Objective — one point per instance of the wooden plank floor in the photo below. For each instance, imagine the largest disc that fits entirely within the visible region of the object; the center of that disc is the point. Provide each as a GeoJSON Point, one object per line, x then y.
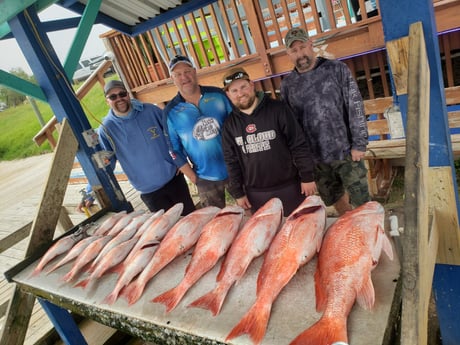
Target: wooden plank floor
{"type": "Point", "coordinates": [22, 183]}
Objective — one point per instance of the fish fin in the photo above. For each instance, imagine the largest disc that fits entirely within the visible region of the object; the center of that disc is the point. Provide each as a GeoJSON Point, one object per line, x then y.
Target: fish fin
{"type": "Point", "coordinates": [170, 298]}
{"type": "Point", "coordinates": [118, 268]}
{"type": "Point", "coordinates": [387, 247]}
{"type": "Point", "coordinates": [324, 332]}
{"type": "Point", "coordinates": [112, 297]}
{"type": "Point", "coordinates": [254, 323]}
{"type": "Point", "coordinates": [83, 283]}
{"type": "Point", "coordinates": [366, 295]}
{"type": "Point", "coordinates": [212, 301]}
{"type": "Point", "coordinates": [133, 291]}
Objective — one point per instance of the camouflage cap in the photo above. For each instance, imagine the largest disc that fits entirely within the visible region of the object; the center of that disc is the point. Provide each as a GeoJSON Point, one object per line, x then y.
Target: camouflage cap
{"type": "Point", "coordinates": [295, 34]}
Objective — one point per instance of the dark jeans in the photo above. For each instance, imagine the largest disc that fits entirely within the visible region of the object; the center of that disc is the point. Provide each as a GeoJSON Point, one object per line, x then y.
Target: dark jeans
{"type": "Point", "coordinates": [290, 195]}
{"type": "Point", "coordinates": [173, 192]}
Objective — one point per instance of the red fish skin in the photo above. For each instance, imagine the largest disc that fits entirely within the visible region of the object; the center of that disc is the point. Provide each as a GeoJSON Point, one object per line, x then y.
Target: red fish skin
{"type": "Point", "coordinates": [350, 251]}
{"type": "Point", "coordinates": [124, 235]}
{"type": "Point", "coordinates": [214, 241]}
{"type": "Point", "coordinates": [86, 257]}
{"type": "Point", "coordinates": [107, 224]}
{"type": "Point", "coordinates": [252, 241]}
{"type": "Point", "coordinates": [182, 236]}
{"type": "Point", "coordinates": [294, 245]}
{"type": "Point", "coordinates": [76, 250]}
{"type": "Point", "coordinates": [123, 222]}
{"type": "Point", "coordinates": [132, 269]}
{"type": "Point", "coordinates": [158, 228]}
{"type": "Point", "coordinates": [112, 258]}
{"type": "Point", "coordinates": [58, 248]}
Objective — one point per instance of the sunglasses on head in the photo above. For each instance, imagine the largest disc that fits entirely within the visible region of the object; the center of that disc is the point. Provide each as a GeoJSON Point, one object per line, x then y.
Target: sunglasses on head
{"type": "Point", "coordinates": [114, 96]}
{"type": "Point", "coordinates": [235, 76]}
{"type": "Point", "coordinates": [178, 58]}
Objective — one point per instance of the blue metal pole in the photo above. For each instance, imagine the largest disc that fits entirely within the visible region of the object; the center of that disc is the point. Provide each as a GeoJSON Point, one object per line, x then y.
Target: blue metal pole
{"type": "Point", "coordinates": [50, 75]}
{"type": "Point", "coordinates": [64, 323]}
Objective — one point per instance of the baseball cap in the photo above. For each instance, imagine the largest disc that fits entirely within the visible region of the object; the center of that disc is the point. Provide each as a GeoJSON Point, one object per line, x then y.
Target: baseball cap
{"type": "Point", "coordinates": [177, 60]}
{"type": "Point", "coordinates": [112, 85]}
{"type": "Point", "coordinates": [295, 34]}
{"type": "Point", "coordinates": [234, 74]}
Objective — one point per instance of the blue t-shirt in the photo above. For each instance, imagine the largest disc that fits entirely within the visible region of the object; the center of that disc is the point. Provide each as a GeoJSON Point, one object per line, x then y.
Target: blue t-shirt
{"type": "Point", "coordinates": [195, 132]}
{"type": "Point", "coordinates": [139, 143]}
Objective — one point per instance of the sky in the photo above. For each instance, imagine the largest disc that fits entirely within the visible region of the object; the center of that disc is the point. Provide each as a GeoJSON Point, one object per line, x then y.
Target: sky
{"type": "Point", "coordinates": [61, 42]}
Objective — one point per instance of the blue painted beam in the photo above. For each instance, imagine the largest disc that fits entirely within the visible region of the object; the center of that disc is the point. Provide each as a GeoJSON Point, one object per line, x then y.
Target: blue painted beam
{"type": "Point", "coordinates": [58, 90]}
{"type": "Point", "coordinates": [63, 323]}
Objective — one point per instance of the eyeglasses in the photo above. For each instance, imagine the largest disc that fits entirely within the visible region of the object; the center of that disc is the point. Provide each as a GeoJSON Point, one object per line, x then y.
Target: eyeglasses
{"type": "Point", "coordinates": [235, 76]}
{"type": "Point", "coordinates": [114, 96]}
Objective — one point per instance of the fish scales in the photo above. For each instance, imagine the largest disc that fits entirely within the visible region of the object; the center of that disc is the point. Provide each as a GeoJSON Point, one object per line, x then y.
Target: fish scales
{"type": "Point", "coordinates": [294, 245]}
{"type": "Point", "coordinates": [350, 251]}
{"type": "Point", "coordinates": [252, 241]}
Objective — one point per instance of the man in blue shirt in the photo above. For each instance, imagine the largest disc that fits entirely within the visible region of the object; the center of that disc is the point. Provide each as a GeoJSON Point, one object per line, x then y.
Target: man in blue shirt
{"type": "Point", "coordinates": [195, 117]}
{"type": "Point", "coordinates": [134, 132]}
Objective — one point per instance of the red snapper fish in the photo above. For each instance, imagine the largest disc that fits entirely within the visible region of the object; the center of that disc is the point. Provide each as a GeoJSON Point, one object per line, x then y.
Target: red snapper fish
{"type": "Point", "coordinates": [214, 241]}
{"type": "Point", "coordinates": [350, 251]}
{"type": "Point", "coordinates": [86, 256]}
{"type": "Point", "coordinates": [124, 235]}
{"type": "Point", "coordinates": [107, 224]}
{"type": "Point", "coordinates": [293, 246]}
{"type": "Point", "coordinates": [113, 257]}
{"type": "Point", "coordinates": [182, 236]}
{"type": "Point", "coordinates": [161, 224]}
{"type": "Point", "coordinates": [133, 267]}
{"type": "Point", "coordinates": [252, 241]}
{"type": "Point", "coordinates": [60, 247]}
{"type": "Point", "coordinates": [76, 250]}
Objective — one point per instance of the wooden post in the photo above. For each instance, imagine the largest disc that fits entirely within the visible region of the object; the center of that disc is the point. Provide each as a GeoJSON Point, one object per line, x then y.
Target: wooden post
{"type": "Point", "coordinates": [419, 245]}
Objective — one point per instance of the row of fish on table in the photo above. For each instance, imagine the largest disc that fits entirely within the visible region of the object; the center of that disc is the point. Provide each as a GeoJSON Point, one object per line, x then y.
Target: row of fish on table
{"type": "Point", "coordinates": [137, 245]}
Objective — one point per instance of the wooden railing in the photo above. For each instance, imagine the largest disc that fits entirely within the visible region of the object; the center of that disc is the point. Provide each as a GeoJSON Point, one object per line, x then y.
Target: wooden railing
{"type": "Point", "coordinates": [250, 33]}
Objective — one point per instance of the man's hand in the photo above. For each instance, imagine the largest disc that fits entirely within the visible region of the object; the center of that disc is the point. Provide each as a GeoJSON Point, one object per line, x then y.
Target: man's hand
{"type": "Point", "coordinates": [357, 155]}
{"type": "Point", "coordinates": [308, 188]}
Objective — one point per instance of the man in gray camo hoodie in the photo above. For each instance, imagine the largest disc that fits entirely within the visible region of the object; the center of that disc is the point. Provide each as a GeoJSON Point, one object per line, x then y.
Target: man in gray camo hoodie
{"type": "Point", "coordinates": [327, 102]}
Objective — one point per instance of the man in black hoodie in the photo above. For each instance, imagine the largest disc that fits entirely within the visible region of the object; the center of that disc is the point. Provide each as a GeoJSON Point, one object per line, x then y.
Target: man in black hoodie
{"type": "Point", "coordinates": [264, 148]}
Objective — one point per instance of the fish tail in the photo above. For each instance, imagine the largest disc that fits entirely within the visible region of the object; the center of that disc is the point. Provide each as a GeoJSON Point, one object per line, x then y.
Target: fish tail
{"type": "Point", "coordinates": [212, 301]}
{"type": "Point", "coordinates": [83, 283]}
{"type": "Point", "coordinates": [133, 291]}
{"type": "Point", "coordinates": [254, 323]}
{"type": "Point", "coordinates": [170, 298]}
{"type": "Point", "coordinates": [112, 297]}
{"type": "Point", "coordinates": [69, 276]}
{"type": "Point", "coordinates": [324, 332]}
{"type": "Point", "coordinates": [118, 268]}
{"type": "Point", "coordinates": [35, 272]}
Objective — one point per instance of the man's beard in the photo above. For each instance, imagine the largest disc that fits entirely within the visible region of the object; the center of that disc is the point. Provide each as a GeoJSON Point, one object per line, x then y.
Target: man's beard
{"type": "Point", "coordinates": [303, 66]}
{"type": "Point", "coordinates": [248, 104]}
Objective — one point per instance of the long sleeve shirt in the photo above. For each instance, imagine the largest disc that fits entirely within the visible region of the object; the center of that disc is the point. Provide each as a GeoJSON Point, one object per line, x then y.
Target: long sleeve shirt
{"type": "Point", "coordinates": [330, 108]}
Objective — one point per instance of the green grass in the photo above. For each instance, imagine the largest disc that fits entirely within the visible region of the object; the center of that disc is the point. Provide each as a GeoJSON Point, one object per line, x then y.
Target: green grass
{"type": "Point", "coordinates": [20, 124]}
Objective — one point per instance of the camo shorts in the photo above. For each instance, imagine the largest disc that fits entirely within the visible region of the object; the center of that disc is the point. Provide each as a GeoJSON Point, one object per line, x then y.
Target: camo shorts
{"type": "Point", "coordinates": [333, 179]}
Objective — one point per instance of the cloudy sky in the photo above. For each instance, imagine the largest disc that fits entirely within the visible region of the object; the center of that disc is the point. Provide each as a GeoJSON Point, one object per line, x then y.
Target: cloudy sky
{"type": "Point", "coordinates": [61, 42]}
